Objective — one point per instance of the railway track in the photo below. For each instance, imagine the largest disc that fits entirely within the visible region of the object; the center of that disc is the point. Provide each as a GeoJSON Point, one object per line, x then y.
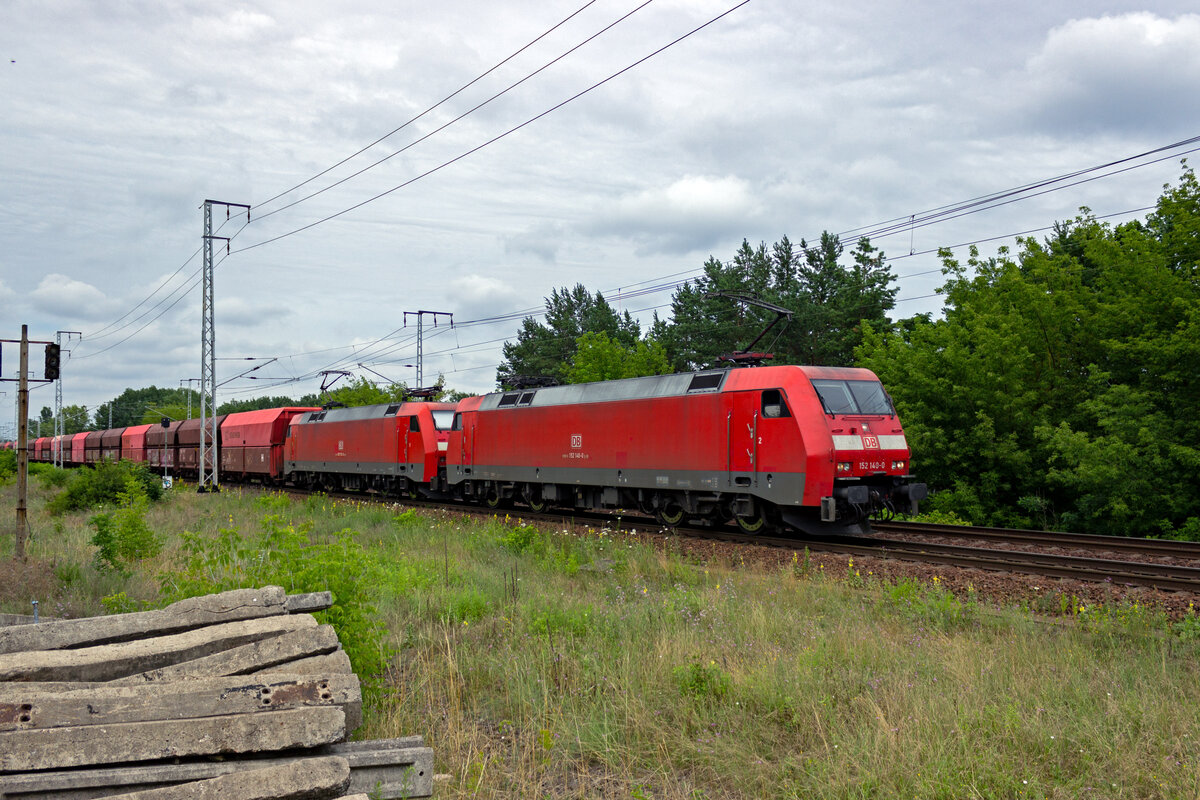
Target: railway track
{"type": "Point", "coordinates": [1075, 541]}
{"type": "Point", "coordinates": [1168, 577]}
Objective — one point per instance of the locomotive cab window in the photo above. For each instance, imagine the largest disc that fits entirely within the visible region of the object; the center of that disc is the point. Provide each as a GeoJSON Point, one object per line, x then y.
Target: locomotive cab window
{"type": "Point", "coordinates": [773, 404]}
{"type": "Point", "coordinates": [854, 397]}
{"type": "Point", "coordinates": [414, 424]}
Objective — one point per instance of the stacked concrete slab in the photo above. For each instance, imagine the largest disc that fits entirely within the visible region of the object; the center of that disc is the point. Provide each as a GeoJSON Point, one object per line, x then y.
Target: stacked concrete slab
{"type": "Point", "coordinates": [240, 694]}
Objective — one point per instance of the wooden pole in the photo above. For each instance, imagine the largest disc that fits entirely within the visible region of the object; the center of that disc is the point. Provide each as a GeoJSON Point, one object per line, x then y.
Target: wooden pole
{"type": "Point", "coordinates": [22, 445]}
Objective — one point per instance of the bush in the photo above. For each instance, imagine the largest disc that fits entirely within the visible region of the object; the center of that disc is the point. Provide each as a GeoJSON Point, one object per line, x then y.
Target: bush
{"type": "Point", "coordinates": [287, 556]}
{"type": "Point", "coordinates": [123, 536]}
{"type": "Point", "coordinates": [104, 485]}
{"type": "Point", "coordinates": [8, 464]}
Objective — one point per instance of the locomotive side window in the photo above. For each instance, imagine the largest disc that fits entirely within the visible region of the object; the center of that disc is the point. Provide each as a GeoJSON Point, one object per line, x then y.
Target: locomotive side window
{"type": "Point", "coordinates": [707, 382]}
{"type": "Point", "coordinates": [414, 424]}
{"type": "Point", "coordinates": [773, 404]}
{"type": "Point", "coordinates": [526, 399]}
{"type": "Point", "coordinates": [509, 399]}
{"type": "Point", "coordinates": [457, 423]}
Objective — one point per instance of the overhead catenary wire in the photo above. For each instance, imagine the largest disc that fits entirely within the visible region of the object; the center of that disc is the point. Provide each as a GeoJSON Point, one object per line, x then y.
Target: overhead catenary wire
{"type": "Point", "coordinates": [496, 138]}
{"type": "Point", "coordinates": [458, 118]}
{"type": "Point", "coordinates": [435, 106]}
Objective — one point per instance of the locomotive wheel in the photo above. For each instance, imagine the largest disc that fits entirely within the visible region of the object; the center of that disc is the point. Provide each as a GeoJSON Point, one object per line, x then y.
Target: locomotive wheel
{"type": "Point", "coordinates": [669, 514]}
{"type": "Point", "coordinates": [760, 521]}
{"type": "Point", "coordinates": [493, 499]}
{"type": "Point", "coordinates": [533, 496]}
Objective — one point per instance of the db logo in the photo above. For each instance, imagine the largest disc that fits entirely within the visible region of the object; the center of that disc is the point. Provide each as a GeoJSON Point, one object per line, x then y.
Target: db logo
{"type": "Point", "coordinates": [576, 440]}
{"type": "Point", "coordinates": [871, 442]}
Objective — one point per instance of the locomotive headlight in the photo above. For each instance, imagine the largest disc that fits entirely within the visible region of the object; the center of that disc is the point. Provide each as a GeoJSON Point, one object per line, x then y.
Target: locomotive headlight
{"type": "Point", "coordinates": [843, 467]}
{"type": "Point", "coordinates": [899, 466]}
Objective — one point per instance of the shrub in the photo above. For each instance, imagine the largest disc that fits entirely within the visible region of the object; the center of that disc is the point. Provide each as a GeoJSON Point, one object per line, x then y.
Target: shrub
{"type": "Point", "coordinates": [91, 488]}
{"type": "Point", "coordinates": [123, 536]}
{"type": "Point", "coordinates": [284, 555]}
{"type": "Point", "coordinates": [8, 464]}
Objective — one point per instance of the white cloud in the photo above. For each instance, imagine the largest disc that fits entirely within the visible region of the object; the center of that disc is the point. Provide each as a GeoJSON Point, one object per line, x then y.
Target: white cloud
{"type": "Point", "coordinates": [68, 298]}
{"type": "Point", "coordinates": [477, 296]}
{"type": "Point", "coordinates": [690, 214]}
{"type": "Point", "coordinates": [1136, 71]}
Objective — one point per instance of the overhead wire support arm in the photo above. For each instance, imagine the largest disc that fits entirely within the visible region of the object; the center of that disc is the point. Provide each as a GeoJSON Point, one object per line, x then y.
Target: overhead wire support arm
{"type": "Point", "coordinates": [420, 315]}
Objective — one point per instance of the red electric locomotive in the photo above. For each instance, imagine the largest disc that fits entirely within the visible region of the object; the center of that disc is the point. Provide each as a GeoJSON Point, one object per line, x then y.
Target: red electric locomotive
{"type": "Point", "coordinates": [808, 448]}
{"type": "Point", "coordinates": [391, 449]}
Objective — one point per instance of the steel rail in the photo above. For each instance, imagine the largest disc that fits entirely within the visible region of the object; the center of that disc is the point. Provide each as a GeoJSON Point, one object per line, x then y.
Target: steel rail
{"type": "Point", "coordinates": [1166, 547]}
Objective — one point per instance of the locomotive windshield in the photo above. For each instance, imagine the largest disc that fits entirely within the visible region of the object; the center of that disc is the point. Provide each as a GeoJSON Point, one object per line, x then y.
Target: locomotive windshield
{"type": "Point", "coordinates": [853, 397]}
{"type": "Point", "coordinates": [443, 420]}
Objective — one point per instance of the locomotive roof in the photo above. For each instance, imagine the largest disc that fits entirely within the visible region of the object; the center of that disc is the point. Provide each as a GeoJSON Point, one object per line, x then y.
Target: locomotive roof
{"type": "Point", "coordinates": [676, 385]}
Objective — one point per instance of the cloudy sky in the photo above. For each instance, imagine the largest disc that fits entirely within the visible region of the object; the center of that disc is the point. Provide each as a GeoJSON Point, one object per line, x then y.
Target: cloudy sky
{"type": "Point", "coordinates": [120, 118]}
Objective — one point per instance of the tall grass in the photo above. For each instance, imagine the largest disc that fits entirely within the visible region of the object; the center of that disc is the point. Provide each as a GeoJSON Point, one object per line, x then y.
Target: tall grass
{"type": "Point", "coordinates": [545, 663]}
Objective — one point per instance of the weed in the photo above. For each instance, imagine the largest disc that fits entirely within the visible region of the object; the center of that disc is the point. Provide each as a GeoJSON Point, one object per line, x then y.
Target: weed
{"type": "Point", "coordinates": [1188, 628]}
{"type": "Point", "coordinates": [559, 621]}
{"type": "Point", "coordinates": [518, 538]}
{"type": "Point", "coordinates": [123, 536]}
{"type": "Point", "coordinates": [466, 606]}
{"type": "Point", "coordinates": [702, 680]}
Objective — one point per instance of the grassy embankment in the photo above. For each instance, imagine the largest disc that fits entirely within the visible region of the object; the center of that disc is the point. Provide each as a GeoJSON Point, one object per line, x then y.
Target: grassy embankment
{"type": "Point", "coordinates": [547, 664]}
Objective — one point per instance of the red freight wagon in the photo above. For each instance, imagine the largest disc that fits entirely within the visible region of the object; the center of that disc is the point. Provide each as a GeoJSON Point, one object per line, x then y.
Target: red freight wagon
{"type": "Point", "coordinates": [252, 443]}
{"type": "Point", "coordinates": [40, 449]}
{"type": "Point", "coordinates": [187, 439]}
{"type": "Point", "coordinates": [160, 445]}
{"type": "Point", "coordinates": [60, 444]}
{"type": "Point", "coordinates": [133, 443]}
{"type": "Point", "coordinates": [91, 446]}
{"type": "Point", "coordinates": [78, 451]}
{"type": "Point", "coordinates": [770, 446]}
{"type": "Point", "coordinates": [110, 444]}
{"type": "Point", "coordinates": [387, 448]}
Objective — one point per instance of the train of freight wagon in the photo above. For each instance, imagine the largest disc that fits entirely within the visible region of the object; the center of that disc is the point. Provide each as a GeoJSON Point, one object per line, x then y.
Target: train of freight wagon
{"type": "Point", "coordinates": [783, 448]}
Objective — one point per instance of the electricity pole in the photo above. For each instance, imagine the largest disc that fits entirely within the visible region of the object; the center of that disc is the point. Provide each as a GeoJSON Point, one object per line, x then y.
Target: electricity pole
{"type": "Point", "coordinates": [420, 315]}
{"type": "Point", "coordinates": [188, 383]}
{"type": "Point", "coordinates": [209, 481]}
{"type": "Point", "coordinates": [22, 380]}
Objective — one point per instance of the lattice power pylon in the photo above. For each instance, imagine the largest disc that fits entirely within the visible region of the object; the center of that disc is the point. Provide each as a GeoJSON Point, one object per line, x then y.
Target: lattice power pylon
{"type": "Point", "coordinates": [209, 455]}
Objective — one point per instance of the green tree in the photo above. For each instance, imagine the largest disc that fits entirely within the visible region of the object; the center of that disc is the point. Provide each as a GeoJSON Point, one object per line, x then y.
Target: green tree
{"type": "Point", "coordinates": [830, 303]}
{"type": "Point", "coordinates": [599, 358]}
{"type": "Point", "coordinates": [1061, 386]}
{"type": "Point", "coordinates": [548, 349]}
{"type": "Point", "coordinates": [137, 406]}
